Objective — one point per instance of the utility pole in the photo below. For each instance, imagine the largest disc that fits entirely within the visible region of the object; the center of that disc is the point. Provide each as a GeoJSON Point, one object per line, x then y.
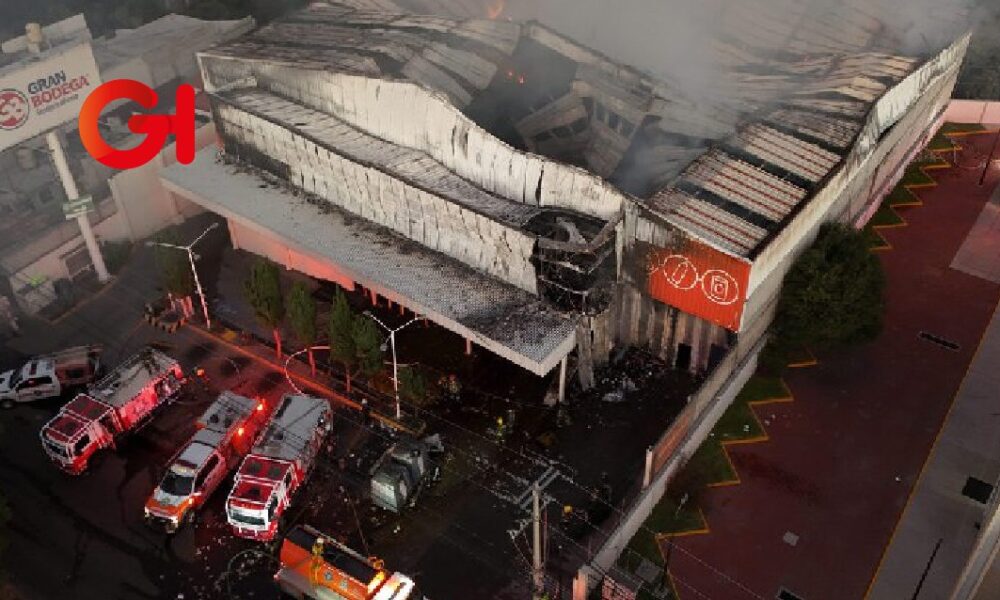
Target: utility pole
{"type": "Point", "coordinates": [538, 568]}
{"type": "Point", "coordinates": [395, 364]}
{"type": "Point", "coordinates": [197, 282]}
{"type": "Point", "coordinates": [72, 193]}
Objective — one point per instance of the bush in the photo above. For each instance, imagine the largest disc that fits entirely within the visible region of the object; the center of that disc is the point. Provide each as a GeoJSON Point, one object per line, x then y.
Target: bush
{"type": "Point", "coordinates": [116, 254]}
{"type": "Point", "coordinates": [833, 294]}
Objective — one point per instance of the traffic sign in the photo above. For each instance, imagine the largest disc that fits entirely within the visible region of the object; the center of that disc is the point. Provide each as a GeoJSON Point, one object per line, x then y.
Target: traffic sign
{"type": "Point", "coordinates": [80, 206]}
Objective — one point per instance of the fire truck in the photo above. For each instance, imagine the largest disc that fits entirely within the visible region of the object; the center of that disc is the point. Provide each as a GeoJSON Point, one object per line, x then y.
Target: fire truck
{"type": "Point", "coordinates": [276, 468]}
{"type": "Point", "coordinates": [317, 567]}
{"type": "Point", "coordinates": [223, 436]}
{"type": "Point", "coordinates": [120, 403]}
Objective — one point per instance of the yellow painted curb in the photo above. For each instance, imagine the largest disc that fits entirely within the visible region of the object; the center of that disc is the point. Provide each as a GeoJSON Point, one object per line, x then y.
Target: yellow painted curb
{"type": "Point", "coordinates": [699, 531]}
{"type": "Point", "coordinates": [944, 164]}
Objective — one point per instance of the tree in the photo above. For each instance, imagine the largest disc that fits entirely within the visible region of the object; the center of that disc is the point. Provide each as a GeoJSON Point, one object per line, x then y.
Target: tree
{"type": "Point", "coordinates": [302, 316]}
{"type": "Point", "coordinates": [342, 335]}
{"type": "Point", "coordinates": [174, 266]}
{"type": "Point", "coordinates": [367, 345]}
{"type": "Point", "coordinates": [263, 292]}
{"type": "Point", "coordinates": [413, 385]}
{"type": "Point", "coordinates": [832, 296]}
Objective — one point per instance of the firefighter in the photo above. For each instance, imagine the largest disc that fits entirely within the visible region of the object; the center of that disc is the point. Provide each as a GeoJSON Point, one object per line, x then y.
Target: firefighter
{"type": "Point", "coordinates": [501, 430]}
{"type": "Point", "coordinates": [317, 560]}
{"type": "Point", "coordinates": [450, 387]}
{"type": "Point", "coordinates": [454, 388]}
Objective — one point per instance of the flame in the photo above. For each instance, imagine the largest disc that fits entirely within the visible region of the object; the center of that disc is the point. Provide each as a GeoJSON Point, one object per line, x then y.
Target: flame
{"type": "Point", "coordinates": [494, 10]}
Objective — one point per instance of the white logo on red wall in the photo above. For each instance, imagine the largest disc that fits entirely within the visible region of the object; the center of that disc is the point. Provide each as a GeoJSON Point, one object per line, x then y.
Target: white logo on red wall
{"type": "Point", "coordinates": [718, 285]}
{"type": "Point", "coordinates": [14, 109]}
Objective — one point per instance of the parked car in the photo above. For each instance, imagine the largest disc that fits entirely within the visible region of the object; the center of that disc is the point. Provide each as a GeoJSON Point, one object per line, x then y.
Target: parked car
{"type": "Point", "coordinates": [50, 376]}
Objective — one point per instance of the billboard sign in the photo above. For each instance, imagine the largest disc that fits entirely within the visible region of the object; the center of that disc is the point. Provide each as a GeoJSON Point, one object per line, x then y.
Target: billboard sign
{"type": "Point", "coordinates": [39, 95]}
{"type": "Point", "coordinates": [699, 280]}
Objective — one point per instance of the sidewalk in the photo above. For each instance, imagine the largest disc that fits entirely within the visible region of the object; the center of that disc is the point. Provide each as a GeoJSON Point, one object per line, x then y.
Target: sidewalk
{"type": "Point", "coordinates": [940, 524]}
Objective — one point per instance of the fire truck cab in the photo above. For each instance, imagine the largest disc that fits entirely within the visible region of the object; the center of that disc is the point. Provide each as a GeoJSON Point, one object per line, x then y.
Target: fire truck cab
{"type": "Point", "coordinates": [278, 465]}
{"type": "Point", "coordinates": [225, 433]}
{"type": "Point", "coordinates": [120, 403]}
{"type": "Point", "coordinates": [317, 567]}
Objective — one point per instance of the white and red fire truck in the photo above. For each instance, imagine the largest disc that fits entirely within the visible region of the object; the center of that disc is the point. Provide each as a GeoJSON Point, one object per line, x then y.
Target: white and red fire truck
{"type": "Point", "coordinates": [120, 403]}
{"type": "Point", "coordinates": [225, 434]}
{"type": "Point", "coordinates": [317, 567]}
{"type": "Point", "coordinates": [276, 468]}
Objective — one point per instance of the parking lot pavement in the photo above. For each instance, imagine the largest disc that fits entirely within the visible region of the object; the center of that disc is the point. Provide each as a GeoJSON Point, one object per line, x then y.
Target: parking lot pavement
{"type": "Point", "coordinates": [87, 533]}
{"type": "Point", "coordinates": [819, 501]}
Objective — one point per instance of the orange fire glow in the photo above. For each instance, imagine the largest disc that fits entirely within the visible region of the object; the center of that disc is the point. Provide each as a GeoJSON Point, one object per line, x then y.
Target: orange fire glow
{"type": "Point", "coordinates": [495, 9]}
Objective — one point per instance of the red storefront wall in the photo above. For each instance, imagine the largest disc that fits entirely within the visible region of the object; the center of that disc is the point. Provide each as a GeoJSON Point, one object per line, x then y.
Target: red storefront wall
{"type": "Point", "coordinates": [699, 280]}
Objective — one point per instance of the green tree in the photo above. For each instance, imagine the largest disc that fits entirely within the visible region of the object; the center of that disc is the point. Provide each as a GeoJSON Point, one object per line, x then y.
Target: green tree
{"type": "Point", "coordinates": [367, 345]}
{"type": "Point", "coordinates": [341, 333]}
{"type": "Point", "coordinates": [263, 292]}
{"type": "Point", "coordinates": [832, 296]}
{"type": "Point", "coordinates": [413, 385]}
{"type": "Point", "coordinates": [302, 316]}
{"type": "Point", "coordinates": [174, 267]}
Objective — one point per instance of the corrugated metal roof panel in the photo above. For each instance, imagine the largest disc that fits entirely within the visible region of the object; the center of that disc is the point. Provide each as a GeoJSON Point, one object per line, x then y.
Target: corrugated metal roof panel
{"type": "Point", "coordinates": [745, 185]}
{"type": "Point", "coordinates": [788, 152]}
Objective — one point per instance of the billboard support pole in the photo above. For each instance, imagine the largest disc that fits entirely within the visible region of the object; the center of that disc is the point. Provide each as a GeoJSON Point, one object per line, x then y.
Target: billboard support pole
{"type": "Point", "coordinates": [69, 185]}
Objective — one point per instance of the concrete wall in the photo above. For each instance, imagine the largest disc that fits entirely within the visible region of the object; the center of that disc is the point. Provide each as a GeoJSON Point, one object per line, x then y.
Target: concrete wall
{"type": "Point", "coordinates": [51, 266]}
{"type": "Point", "coordinates": [851, 197]}
{"type": "Point", "coordinates": [973, 111]}
{"type": "Point", "coordinates": [924, 87]}
{"type": "Point", "coordinates": [436, 223]}
{"type": "Point", "coordinates": [698, 419]}
{"type": "Point", "coordinates": [272, 248]}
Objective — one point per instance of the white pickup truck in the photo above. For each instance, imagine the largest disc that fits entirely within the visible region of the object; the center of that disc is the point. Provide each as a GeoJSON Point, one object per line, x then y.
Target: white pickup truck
{"type": "Point", "coordinates": [50, 376]}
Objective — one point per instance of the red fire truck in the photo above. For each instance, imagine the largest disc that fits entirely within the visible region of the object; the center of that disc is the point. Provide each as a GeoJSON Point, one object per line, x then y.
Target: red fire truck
{"type": "Point", "coordinates": [120, 403]}
{"type": "Point", "coordinates": [279, 463]}
{"type": "Point", "coordinates": [318, 567]}
{"type": "Point", "coordinates": [225, 434]}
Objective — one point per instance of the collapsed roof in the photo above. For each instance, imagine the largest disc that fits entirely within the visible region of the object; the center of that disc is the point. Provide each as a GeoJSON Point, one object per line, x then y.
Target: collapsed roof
{"type": "Point", "coordinates": [524, 83]}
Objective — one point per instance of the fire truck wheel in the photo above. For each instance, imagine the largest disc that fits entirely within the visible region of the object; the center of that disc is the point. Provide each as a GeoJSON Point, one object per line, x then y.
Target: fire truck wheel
{"type": "Point", "coordinates": [6, 403]}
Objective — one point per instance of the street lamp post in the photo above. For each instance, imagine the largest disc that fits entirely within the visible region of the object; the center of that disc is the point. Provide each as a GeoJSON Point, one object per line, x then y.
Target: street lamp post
{"type": "Point", "coordinates": [190, 252]}
{"type": "Point", "coordinates": [392, 343]}
{"type": "Point", "coordinates": [989, 159]}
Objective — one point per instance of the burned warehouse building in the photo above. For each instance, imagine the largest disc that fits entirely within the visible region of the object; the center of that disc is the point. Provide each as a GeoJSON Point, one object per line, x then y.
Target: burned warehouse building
{"type": "Point", "coordinates": [540, 199]}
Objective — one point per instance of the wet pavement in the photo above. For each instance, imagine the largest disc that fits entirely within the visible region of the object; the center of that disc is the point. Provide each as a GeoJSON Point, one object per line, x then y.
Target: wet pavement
{"type": "Point", "coordinates": [85, 536]}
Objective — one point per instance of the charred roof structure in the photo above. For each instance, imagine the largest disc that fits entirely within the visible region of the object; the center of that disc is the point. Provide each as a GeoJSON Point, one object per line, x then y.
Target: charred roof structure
{"type": "Point", "coordinates": [534, 195]}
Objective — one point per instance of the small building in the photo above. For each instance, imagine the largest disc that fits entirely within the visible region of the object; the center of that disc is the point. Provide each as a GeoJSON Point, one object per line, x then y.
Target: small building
{"type": "Point", "coordinates": [40, 247]}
